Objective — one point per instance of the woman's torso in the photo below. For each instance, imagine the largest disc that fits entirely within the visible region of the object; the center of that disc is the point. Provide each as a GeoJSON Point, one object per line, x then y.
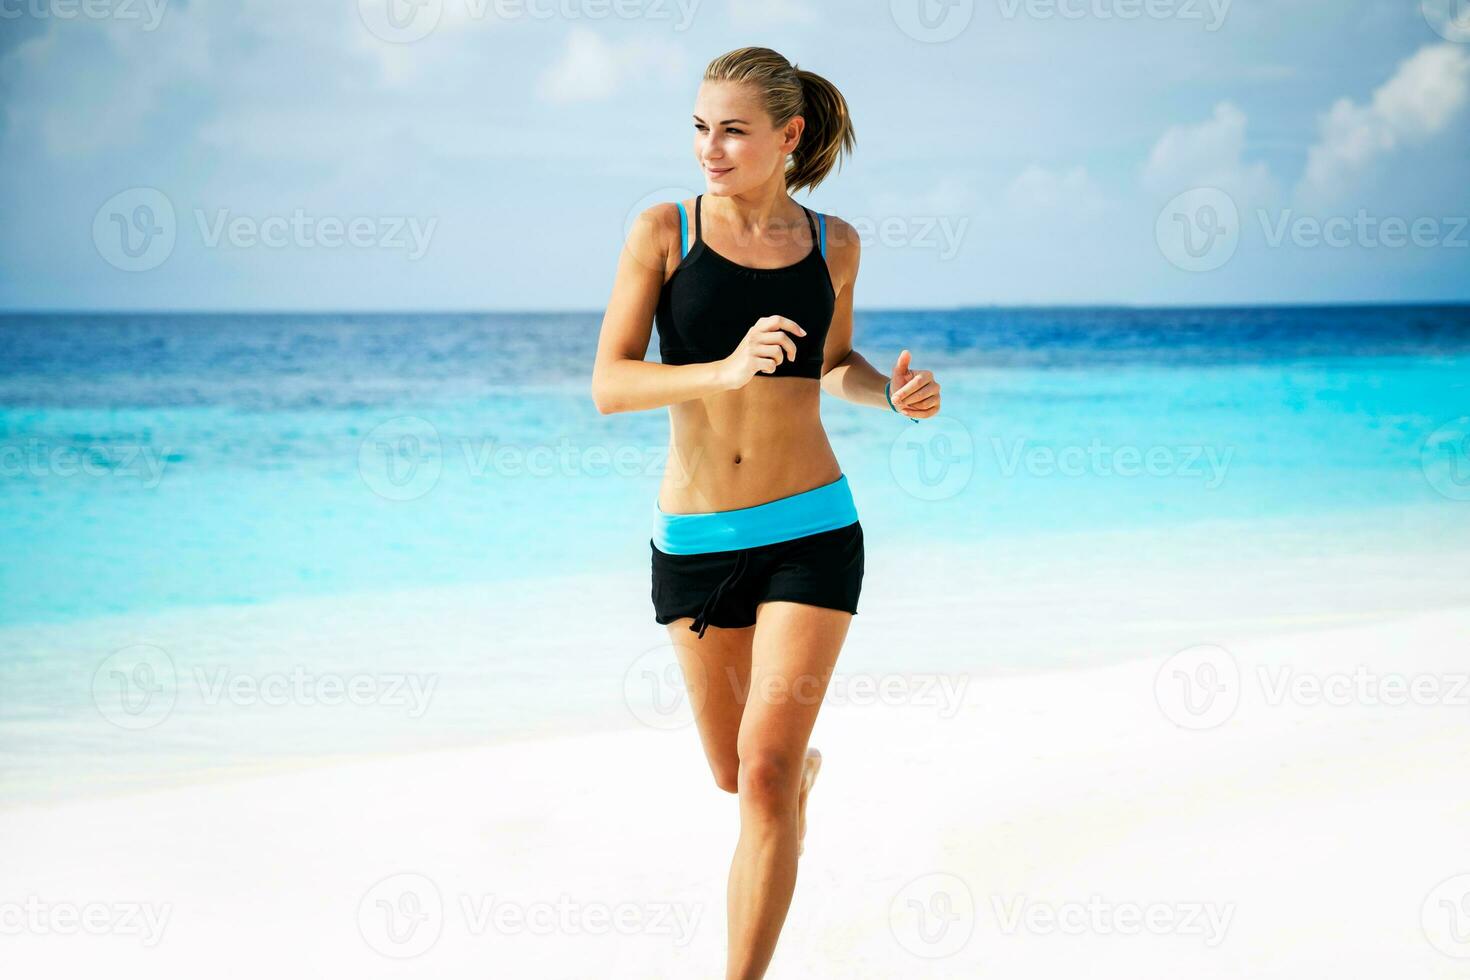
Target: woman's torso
{"type": "Point", "coordinates": [763, 441]}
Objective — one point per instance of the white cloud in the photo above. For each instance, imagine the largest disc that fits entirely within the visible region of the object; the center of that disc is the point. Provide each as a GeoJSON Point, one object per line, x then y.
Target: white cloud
{"type": "Point", "coordinates": [949, 194]}
{"type": "Point", "coordinates": [1208, 154]}
{"type": "Point", "coordinates": [1426, 92]}
{"type": "Point", "coordinates": [121, 75]}
{"type": "Point", "coordinates": [1037, 190]}
{"type": "Point", "coordinates": [592, 69]}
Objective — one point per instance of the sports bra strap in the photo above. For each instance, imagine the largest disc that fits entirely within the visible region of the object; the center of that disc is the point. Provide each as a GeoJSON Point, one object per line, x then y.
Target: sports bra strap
{"type": "Point", "coordinates": [683, 230]}
{"type": "Point", "coordinates": [819, 229]}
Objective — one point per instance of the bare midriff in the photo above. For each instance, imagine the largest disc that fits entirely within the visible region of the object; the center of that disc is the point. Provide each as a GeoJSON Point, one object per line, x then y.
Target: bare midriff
{"type": "Point", "coordinates": [746, 447]}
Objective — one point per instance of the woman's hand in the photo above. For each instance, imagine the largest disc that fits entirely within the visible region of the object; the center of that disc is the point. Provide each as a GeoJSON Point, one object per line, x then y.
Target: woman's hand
{"type": "Point", "coordinates": [761, 351]}
{"type": "Point", "coordinates": [914, 393]}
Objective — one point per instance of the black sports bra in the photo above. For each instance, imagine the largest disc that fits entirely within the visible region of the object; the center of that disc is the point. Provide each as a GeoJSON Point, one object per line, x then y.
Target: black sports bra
{"type": "Point", "coordinates": [710, 302]}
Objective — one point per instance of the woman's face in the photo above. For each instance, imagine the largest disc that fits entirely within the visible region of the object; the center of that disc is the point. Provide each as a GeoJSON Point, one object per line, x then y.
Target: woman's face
{"type": "Point", "coordinates": [735, 142]}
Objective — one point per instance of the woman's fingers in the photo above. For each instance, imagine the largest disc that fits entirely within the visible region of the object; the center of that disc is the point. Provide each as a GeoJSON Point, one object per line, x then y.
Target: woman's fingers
{"type": "Point", "coordinates": [780, 323]}
{"type": "Point", "coordinates": [784, 341]}
{"type": "Point", "coordinates": [777, 351]}
{"type": "Point", "coordinates": [918, 381]}
{"type": "Point", "coordinates": [917, 395]}
{"type": "Point", "coordinates": [927, 401]}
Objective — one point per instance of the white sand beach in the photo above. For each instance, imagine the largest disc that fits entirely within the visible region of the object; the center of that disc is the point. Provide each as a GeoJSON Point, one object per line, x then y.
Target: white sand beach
{"type": "Point", "coordinates": [1302, 813]}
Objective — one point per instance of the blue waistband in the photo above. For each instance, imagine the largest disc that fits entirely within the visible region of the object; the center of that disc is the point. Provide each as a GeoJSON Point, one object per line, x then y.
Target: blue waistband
{"type": "Point", "coordinates": [824, 508]}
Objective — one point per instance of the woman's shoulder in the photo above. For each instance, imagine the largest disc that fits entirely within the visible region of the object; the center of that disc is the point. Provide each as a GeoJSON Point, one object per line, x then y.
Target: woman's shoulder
{"type": "Point", "coordinates": [654, 234]}
{"type": "Point", "coordinates": [843, 248]}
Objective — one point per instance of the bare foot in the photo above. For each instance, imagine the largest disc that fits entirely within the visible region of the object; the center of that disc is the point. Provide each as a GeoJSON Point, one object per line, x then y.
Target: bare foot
{"type": "Point", "coordinates": [810, 766]}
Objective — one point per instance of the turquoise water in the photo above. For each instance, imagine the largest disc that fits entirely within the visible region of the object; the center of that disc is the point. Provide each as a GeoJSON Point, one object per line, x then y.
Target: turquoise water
{"type": "Point", "coordinates": [155, 462]}
{"type": "Point", "coordinates": [200, 466]}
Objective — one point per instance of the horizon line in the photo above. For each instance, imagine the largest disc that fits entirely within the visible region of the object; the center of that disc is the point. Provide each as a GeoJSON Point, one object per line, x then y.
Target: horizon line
{"type": "Point", "coordinates": [419, 311]}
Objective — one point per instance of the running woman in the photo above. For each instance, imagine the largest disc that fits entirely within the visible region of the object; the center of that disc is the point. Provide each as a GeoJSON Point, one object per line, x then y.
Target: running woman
{"type": "Point", "coordinates": [757, 552]}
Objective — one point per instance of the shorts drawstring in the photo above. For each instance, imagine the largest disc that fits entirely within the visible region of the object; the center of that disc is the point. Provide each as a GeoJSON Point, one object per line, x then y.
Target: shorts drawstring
{"type": "Point", "coordinates": [701, 622]}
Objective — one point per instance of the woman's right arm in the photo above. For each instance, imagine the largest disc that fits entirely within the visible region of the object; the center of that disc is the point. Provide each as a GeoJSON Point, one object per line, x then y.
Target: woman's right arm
{"type": "Point", "coordinates": [622, 381]}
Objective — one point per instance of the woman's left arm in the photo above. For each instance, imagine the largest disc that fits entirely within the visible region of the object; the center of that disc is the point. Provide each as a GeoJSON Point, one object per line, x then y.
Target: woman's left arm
{"type": "Point", "coordinates": [846, 373]}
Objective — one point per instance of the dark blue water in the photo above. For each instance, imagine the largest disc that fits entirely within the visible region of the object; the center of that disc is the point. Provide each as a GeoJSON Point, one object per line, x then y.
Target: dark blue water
{"type": "Point", "coordinates": [274, 361]}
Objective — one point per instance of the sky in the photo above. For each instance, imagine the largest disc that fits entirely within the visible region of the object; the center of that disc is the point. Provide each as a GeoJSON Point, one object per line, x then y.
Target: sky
{"type": "Point", "coordinates": [489, 154]}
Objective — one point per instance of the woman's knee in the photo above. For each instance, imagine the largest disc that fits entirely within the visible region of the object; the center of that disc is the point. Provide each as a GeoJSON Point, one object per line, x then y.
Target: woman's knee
{"type": "Point", "coordinates": [768, 779]}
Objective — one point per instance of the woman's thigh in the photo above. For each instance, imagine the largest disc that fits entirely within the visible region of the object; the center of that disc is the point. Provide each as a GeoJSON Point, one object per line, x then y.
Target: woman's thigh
{"type": "Point", "coordinates": [793, 655]}
{"type": "Point", "coordinates": [716, 674]}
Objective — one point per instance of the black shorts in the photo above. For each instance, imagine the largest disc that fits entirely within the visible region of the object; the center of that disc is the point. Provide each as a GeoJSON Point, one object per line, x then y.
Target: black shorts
{"type": "Point", "coordinates": [722, 588]}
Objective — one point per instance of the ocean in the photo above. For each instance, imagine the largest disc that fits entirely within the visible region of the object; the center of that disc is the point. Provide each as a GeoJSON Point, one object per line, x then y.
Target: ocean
{"type": "Point", "coordinates": [157, 461]}
{"type": "Point", "coordinates": [216, 513]}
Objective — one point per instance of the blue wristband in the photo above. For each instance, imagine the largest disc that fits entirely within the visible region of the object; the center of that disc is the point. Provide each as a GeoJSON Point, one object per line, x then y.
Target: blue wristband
{"type": "Point", "coordinates": [886, 386]}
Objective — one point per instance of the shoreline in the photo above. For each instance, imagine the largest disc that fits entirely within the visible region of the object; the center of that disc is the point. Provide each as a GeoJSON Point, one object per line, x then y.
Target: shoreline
{"type": "Point", "coordinates": [505, 669]}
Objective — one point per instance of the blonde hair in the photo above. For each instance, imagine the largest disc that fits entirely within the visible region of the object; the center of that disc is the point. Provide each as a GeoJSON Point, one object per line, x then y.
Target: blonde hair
{"type": "Point", "coordinates": [787, 91]}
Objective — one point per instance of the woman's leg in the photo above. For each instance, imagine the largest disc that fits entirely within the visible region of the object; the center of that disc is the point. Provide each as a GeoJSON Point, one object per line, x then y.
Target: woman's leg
{"type": "Point", "coordinates": [792, 658]}
{"type": "Point", "coordinates": [716, 673]}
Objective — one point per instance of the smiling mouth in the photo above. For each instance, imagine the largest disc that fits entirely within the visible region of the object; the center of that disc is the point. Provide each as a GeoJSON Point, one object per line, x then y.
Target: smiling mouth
{"type": "Point", "coordinates": [717, 172]}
